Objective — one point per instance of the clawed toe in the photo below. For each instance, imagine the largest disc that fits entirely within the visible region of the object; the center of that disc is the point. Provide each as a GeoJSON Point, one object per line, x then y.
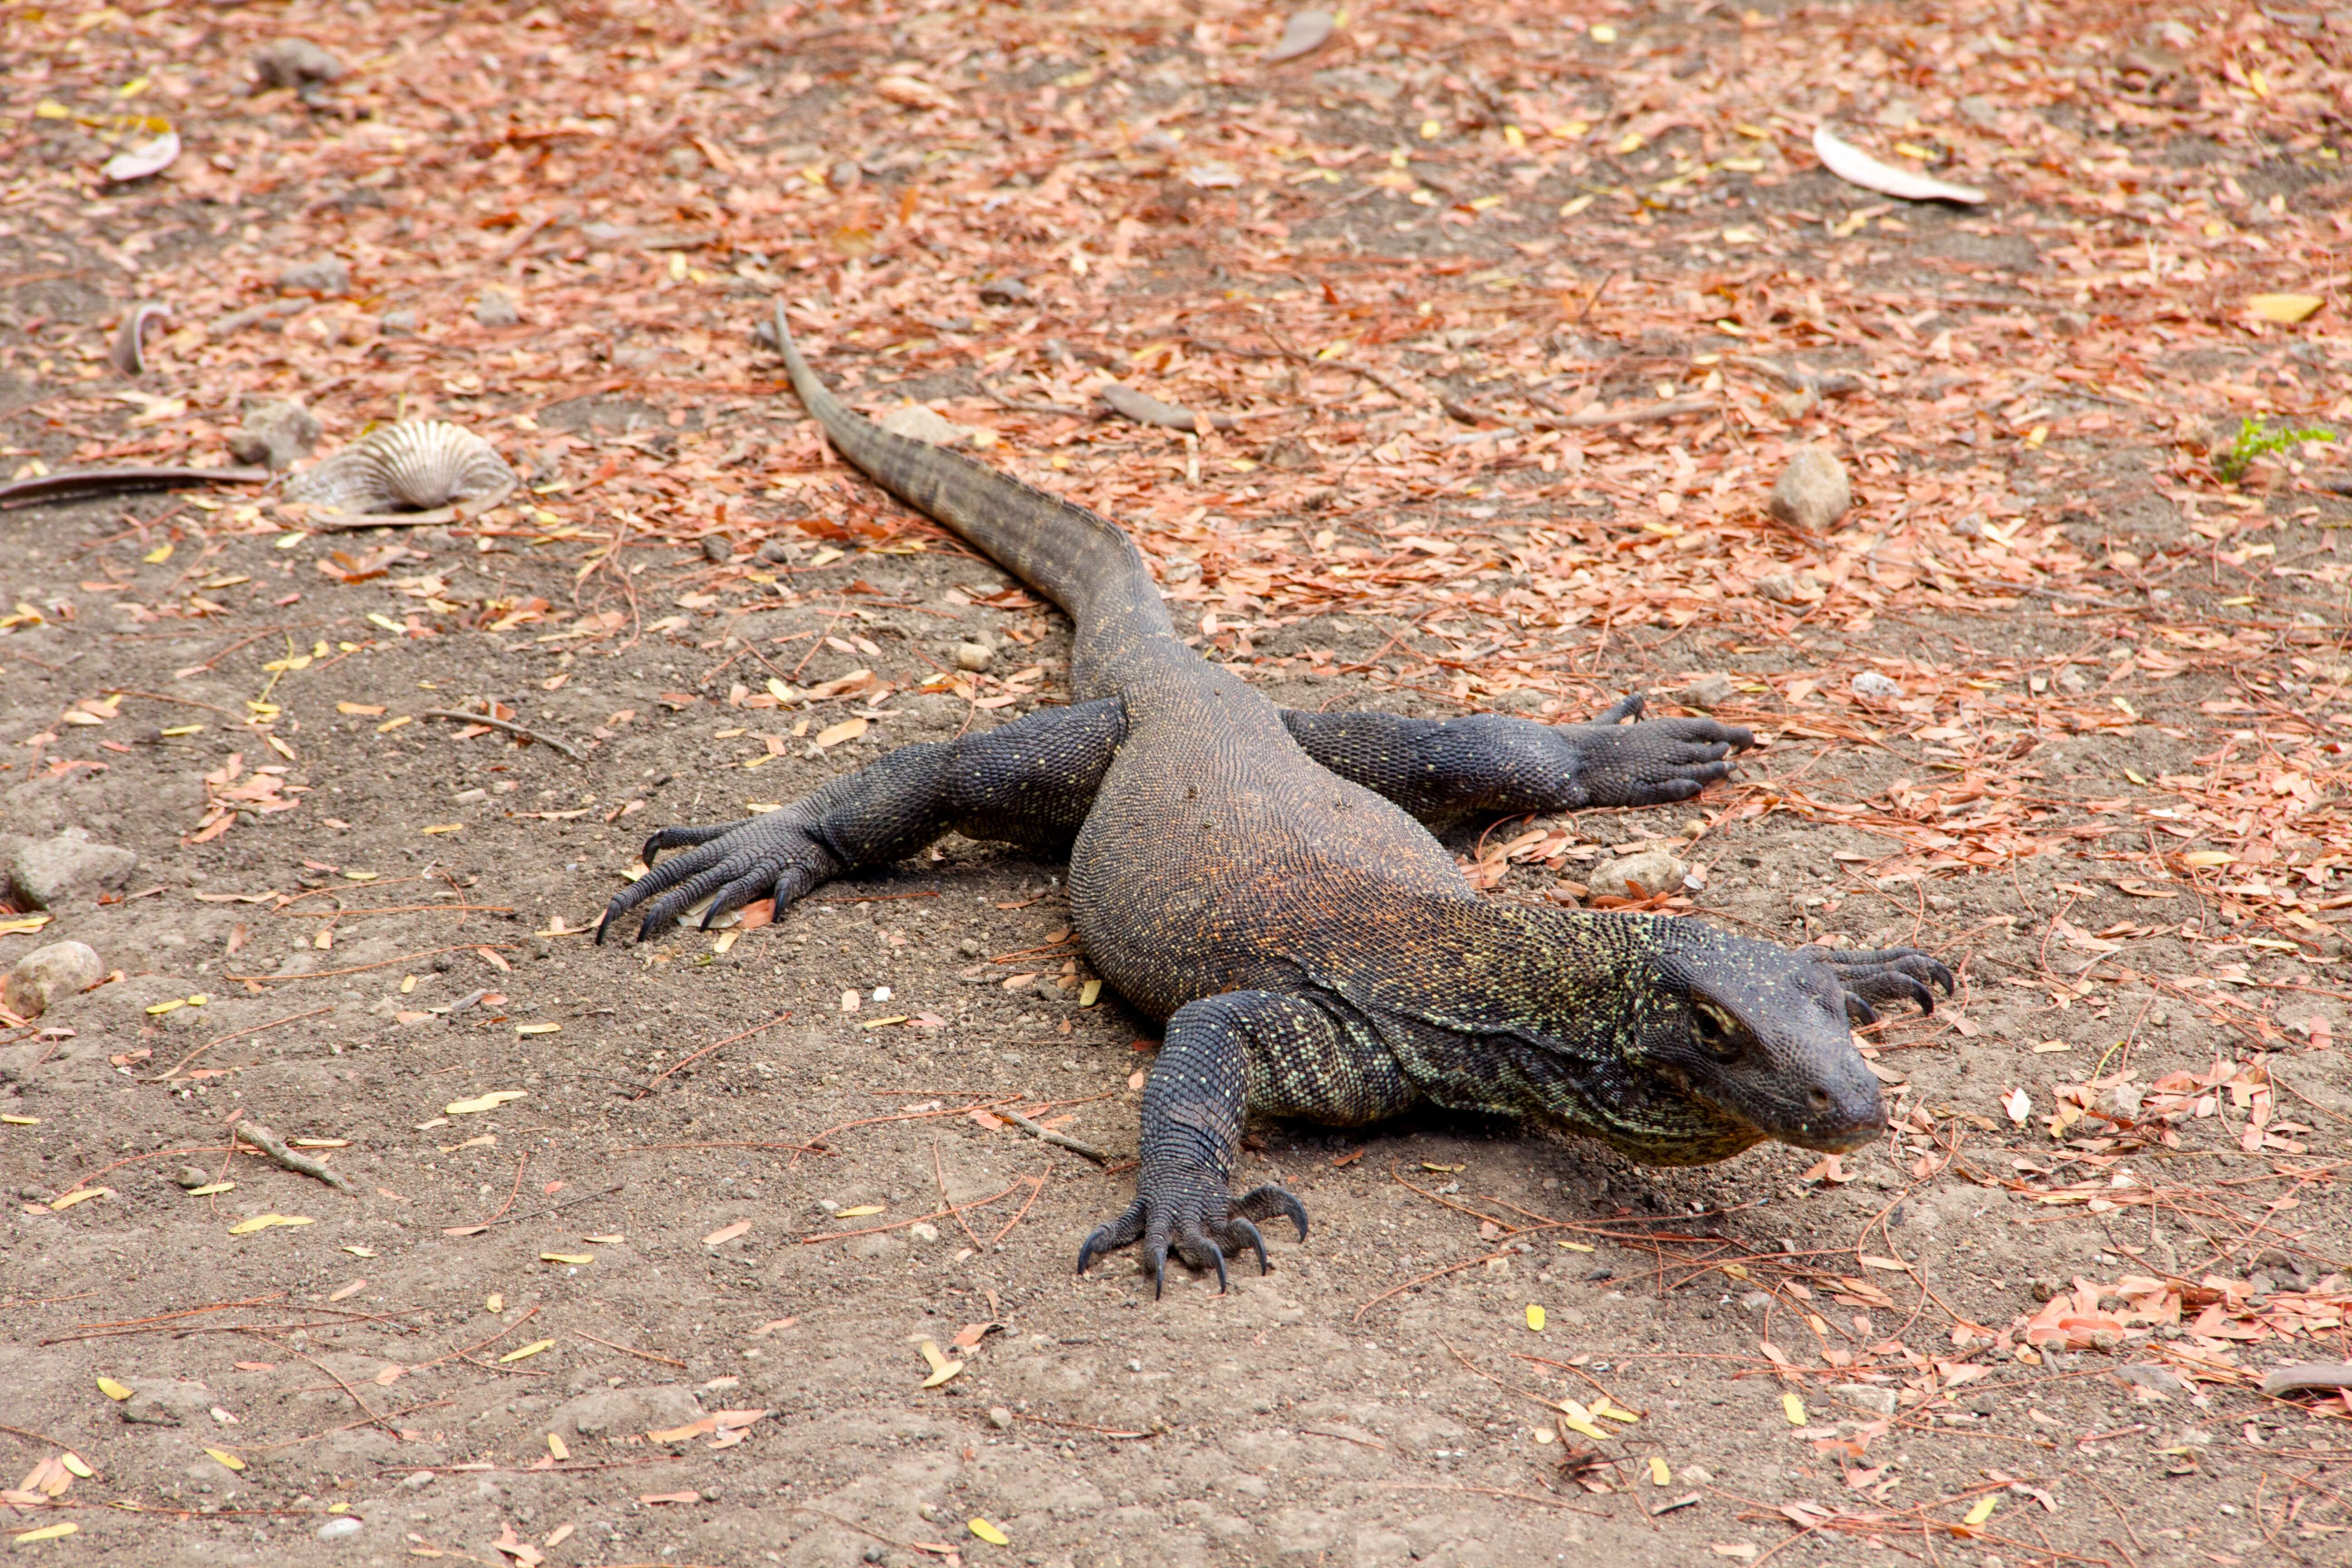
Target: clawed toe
{"type": "Point", "coordinates": [1886, 975]}
{"type": "Point", "coordinates": [1202, 1229]}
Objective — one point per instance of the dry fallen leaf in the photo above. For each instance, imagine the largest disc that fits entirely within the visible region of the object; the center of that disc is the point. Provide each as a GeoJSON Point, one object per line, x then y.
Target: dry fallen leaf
{"type": "Point", "coordinates": [2285, 308]}
{"type": "Point", "coordinates": [268, 1221]}
{"type": "Point", "coordinates": [1857, 167]}
{"type": "Point", "coordinates": [489, 1101]}
{"type": "Point", "coordinates": [727, 1233]}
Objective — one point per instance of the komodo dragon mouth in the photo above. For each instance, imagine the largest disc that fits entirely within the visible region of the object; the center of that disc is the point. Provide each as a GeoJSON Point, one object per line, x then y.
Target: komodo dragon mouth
{"type": "Point", "coordinates": [1265, 880]}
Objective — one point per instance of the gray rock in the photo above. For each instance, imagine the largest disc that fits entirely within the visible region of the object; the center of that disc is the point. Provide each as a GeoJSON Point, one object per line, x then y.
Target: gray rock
{"type": "Point", "coordinates": [327, 275]}
{"type": "Point", "coordinates": [2159, 1381]}
{"type": "Point", "coordinates": [193, 1176]}
{"type": "Point", "coordinates": [496, 308]}
{"type": "Point", "coordinates": [276, 435]}
{"type": "Point", "coordinates": [48, 975]}
{"type": "Point", "coordinates": [1006, 291]}
{"type": "Point", "coordinates": [397, 323]}
{"type": "Point", "coordinates": [921, 423]}
{"type": "Point", "coordinates": [1870, 683]}
{"type": "Point", "coordinates": [1654, 870]}
{"type": "Point", "coordinates": [295, 62]}
{"type": "Point", "coordinates": [1708, 692]}
{"type": "Point", "coordinates": [341, 1528]}
{"type": "Point", "coordinates": [1867, 1396]}
{"type": "Point", "coordinates": [165, 1403]}
{"type": "Point", "coordinates": [717, 550]}
{"type": "Point", "coordinates": [973, 656]}
{"type": "Point", "coordinates": [626, 1412]}
{"type": "Point", "coordinates": [1789, 587]}
{"type": "Point", "coordinates": [775, 553]}
{"type": "Point", "coordinates": [1812, 493]}
{"type": "Point", "coordinates": [68, 868]}
{"type": "Point", "coordinates": [2072, 681]}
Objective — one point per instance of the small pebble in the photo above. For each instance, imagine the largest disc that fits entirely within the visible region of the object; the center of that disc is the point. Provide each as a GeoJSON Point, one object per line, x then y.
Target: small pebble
{"type": "Point", "coordinates": [973, 656]}
{"type": "Point", "coordinates": [1870, 683]}
{"type": "Point", "coordinates": [398, 323]}
{"type": "Point", "coordinates": [192, 1176]}
{"type": "Point", "coordinates": [1006, 291]}
{"type": "Point", "coordinates": [496, 308]}
{"type": "Point", "coordinates": [1812, 493]}
{"type": "Point", "coordinates": [1642, 876]}
{"type": "Point", "coordinates": [339, 1527]}
{"type": "Point", "coordinates": [295, 62]}
{"type": "Point", "coordinates": [715, 550]}
{"type": "Point", "coordinates": [1000, 1417]}
{"type": "Point", "coordinates": [326, 275]}
{"type": "Point", "coordinates": [775, 553]}
{"type": "Point", "coordinates": [1708, 692]}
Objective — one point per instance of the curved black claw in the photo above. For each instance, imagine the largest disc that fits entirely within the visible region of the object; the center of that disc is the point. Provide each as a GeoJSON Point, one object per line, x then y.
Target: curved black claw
{"type": "Point", "coordinates": [1884, 974]}
{"type": "Point", "coordinates": [1187, 1213]}
{"type": "Point", "coordinates": [762, 855]}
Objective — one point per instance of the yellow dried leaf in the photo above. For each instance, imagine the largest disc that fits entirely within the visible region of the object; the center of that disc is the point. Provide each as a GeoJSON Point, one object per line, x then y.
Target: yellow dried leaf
{"type": "Point", "coordinates": [833, 735]}
{"type": "Point", "coordinates": [77, 1466]}
{"type": "Point", "coordinates": [1980, 1511]}
{"type": "Point", "coordinates": [531, 1349]}
{"type": "Point", "coordinates": [489, 1101]}
{"type": "Point", "coordinates": [364, 709]}
{"type": "Point", "coordinates": [557, 1446]}
{"type": "Point", "coordinates": [1577, 1418]}
{"type": "Point", "coordinates": [1794, 1408]}
{"type": "Point", "coordinates": [20, 1121]}
{"type": "Point", "coordinates": [226, 1458]}
{"type": "Point", "coordinates": [117, 1392]}
{"type": "Point", "coordinates": [79, 1195]}
{"type": "Point", "coordinates": [567, 1257]}
{"type": "Point", "coordinates": [1659, 1474]}
{"type": "Point", "coordinates": [860, 1211]}
{"type": "Point", "coordinates": [265, 1221]}
{"type": "Point", "coordinates": [536, 1028]}
{"type": "Point", "coordinates": [990, 1534]}
{"type": "Point", "coordinates": [444, 828]}
{"type": "Point", "coordinates": [210, 1188]}
{"type": "Point", "coordinates": [1535, 1318]}
{"type": "Point", "coordinates": [2286, 310]}
{"type": "Point", "coordinates": [46, 1532]}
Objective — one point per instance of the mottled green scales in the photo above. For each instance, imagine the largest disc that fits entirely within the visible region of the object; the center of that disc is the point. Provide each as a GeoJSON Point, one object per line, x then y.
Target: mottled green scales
{"type": "Point", "coordinates": [1264, 880]}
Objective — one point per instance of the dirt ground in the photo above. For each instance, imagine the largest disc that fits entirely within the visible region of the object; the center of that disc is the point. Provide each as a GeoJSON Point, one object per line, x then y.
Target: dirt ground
{"type": "Point", "coordinates": [726, 1249]}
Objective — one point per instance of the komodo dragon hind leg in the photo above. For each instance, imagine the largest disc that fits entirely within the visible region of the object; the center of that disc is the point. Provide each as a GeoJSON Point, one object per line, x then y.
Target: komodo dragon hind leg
{"type": "Point", "coordinates": [1225, 1056]}
{"type": "Point", "coordinates": [1030, 781]}
{"type": "Point", "coordinates": [1486, 764]}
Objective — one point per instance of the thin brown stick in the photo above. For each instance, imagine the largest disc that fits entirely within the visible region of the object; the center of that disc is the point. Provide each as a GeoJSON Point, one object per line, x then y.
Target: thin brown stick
{"type": "Point", "coordinates": [236, 1034]}
{"type": "Point", "coordinates": [478, 1344]}
{"type": "Point", "coordinates": [269, 1144]}
{"type": "Point", "coordinates": [457, 716]}
{"type": "Point", "coordinates": [939, 1172]}
{"type": "Point", "coordinates": [362, 968]}
{"type": "Point", "coordinates": [35, 1437]}
{"type": "Point", "coordinates": [902, 1224]}
{"type": "Point", "coordinates": [1038, 1185]}
{"type": "Point", "coordinates": [520, 1161]}
{"type": "Point", "coordinates": [706, 1050]}
{"type": "Point", "coordinates": [1425, 1279]}
{"type": "Point", "coordinates": [505, 1218]}
{"type": "Point", "coordinates": [1059, 1140]}
{"type": "Point", "coordinates": [629, 1349]}
{"type": "Point", "coordinates": [346, 1426]}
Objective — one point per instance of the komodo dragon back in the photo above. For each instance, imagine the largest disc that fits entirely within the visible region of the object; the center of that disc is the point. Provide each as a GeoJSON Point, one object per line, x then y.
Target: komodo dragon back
{"type": "Point", "coordinates": [1082, 562]}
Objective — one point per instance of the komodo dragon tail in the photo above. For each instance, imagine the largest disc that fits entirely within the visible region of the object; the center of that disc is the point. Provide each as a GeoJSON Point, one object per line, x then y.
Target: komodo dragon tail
{"type": "Point", "coordinates": [1084, 562]}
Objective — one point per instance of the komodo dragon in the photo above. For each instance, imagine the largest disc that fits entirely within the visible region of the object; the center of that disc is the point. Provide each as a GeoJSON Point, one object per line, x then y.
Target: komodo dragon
{"type": "Point", "coordinates": [1260, 878]}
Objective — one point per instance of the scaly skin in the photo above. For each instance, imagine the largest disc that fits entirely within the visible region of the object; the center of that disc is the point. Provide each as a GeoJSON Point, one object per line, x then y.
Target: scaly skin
{"type": "Point", "coordinates": [1258, 879]}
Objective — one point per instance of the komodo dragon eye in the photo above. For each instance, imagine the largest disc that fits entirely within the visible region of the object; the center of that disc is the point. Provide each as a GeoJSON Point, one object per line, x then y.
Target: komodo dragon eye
{"type": "Point", "coordinates": [1717, 1030]}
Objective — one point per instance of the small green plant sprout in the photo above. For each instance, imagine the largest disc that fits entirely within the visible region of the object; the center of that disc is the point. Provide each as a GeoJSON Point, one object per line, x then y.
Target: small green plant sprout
{"type": "Point", "coordinates": [2255, 439]}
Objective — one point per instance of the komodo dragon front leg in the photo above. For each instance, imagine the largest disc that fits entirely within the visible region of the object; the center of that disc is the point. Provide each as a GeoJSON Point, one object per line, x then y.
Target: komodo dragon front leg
{"type": "Point", "coordinates": [1227, 1057]}
{"type": "Point", "coordinates": [1030, 782]}
{"type": "Point", "coordinates": [1442, 771]}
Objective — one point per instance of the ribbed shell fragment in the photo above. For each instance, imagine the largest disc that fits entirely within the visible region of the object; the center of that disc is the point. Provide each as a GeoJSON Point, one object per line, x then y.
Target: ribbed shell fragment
{"type": "Point", "coordinates": [416, 465]}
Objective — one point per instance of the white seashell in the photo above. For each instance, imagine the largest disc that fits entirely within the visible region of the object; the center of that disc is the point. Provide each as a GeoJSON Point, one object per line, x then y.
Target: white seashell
{"type": "Point", "coordinates": [1857, 167]}
{"type": "Point", "coordinates": [416, 465]}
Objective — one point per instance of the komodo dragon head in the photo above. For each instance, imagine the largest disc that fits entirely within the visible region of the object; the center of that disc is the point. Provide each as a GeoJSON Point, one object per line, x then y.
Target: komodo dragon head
{"type": "Point", "coordinates": [1756, 1042]}
{"type": "Point", "coordinates": [1696, 1045]}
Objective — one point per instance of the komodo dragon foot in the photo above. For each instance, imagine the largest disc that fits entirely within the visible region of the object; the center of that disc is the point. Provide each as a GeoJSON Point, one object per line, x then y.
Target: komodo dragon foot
{"type": "Point", "coordinates": [1190, 1212]}
{"type": "Point", "coordinates": [1879, 975]}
